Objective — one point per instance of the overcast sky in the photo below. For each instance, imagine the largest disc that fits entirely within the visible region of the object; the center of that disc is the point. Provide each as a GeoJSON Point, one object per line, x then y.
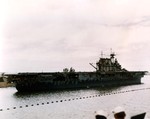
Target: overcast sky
{"type": "Point", "coordinates": [49, 35]}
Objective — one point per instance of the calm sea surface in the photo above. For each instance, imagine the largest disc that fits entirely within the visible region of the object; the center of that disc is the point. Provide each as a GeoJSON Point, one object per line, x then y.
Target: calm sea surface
{"type": "Point", "coordinates": [74, 104]}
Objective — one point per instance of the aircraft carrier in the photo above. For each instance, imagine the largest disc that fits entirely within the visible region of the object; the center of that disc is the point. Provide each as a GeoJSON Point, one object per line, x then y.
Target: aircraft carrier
{"type": "Point", "coordinates": [108, 72]}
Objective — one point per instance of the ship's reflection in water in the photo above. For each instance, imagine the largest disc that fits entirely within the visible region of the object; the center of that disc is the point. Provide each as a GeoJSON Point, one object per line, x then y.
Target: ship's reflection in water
{"type": "Point", "coordinates": [74, 104]}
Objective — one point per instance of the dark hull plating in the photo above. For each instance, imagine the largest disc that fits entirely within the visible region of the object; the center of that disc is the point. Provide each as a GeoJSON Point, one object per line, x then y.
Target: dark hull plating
{"type": "Point", "coordinates": [76, 80]}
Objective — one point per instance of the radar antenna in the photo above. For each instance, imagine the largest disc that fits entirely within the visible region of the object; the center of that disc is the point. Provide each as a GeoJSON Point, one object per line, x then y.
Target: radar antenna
{"type": "Point", "coordinates": [112, 54]}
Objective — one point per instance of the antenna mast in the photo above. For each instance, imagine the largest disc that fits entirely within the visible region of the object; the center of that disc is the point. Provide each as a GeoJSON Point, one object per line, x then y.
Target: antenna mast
{"type": "Point", "coordinates": [102, 54]}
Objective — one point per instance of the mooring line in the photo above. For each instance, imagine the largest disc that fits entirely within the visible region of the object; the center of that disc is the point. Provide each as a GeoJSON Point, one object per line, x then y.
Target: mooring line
{"type": "Point", "coordinates": [72, 99]}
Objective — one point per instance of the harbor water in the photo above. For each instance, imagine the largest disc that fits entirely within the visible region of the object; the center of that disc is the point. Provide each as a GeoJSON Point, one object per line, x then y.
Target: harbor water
{"type": "Point", "coordinates": [75, 104]}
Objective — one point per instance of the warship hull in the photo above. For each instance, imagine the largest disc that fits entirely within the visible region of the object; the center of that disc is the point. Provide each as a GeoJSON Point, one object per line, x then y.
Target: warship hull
{"type": "Point", "coordinates": [26, 82]}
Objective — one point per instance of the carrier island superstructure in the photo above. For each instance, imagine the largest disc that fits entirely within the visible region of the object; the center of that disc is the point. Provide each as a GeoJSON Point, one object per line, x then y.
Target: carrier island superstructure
{"type": "Point", "coordinates": [108, 73]}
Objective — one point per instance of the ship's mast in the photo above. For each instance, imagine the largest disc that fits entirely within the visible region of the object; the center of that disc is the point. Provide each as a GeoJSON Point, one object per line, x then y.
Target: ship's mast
{"type": "Point", "coordinates": [102, 54]}
{"type": "Point", "coordinates": [112, 57]}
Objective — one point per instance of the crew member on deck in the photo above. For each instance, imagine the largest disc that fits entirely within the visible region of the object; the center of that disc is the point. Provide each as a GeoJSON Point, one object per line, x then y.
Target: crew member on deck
{"type": "Point", "coordinates": [101, 114]}
{"type": "Point", "coordinates": [119, 113]}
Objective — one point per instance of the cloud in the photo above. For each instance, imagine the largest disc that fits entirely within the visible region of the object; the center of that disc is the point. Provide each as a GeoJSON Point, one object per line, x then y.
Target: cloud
{"type": "Point", "coordinates": [143, 21]}
{"type": "Point", "coordinates": [54, 34]}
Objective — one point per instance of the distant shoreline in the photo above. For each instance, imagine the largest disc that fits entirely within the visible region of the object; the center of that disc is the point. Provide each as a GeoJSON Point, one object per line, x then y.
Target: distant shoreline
{"type": "Point", "coordinates": [5, 84]}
